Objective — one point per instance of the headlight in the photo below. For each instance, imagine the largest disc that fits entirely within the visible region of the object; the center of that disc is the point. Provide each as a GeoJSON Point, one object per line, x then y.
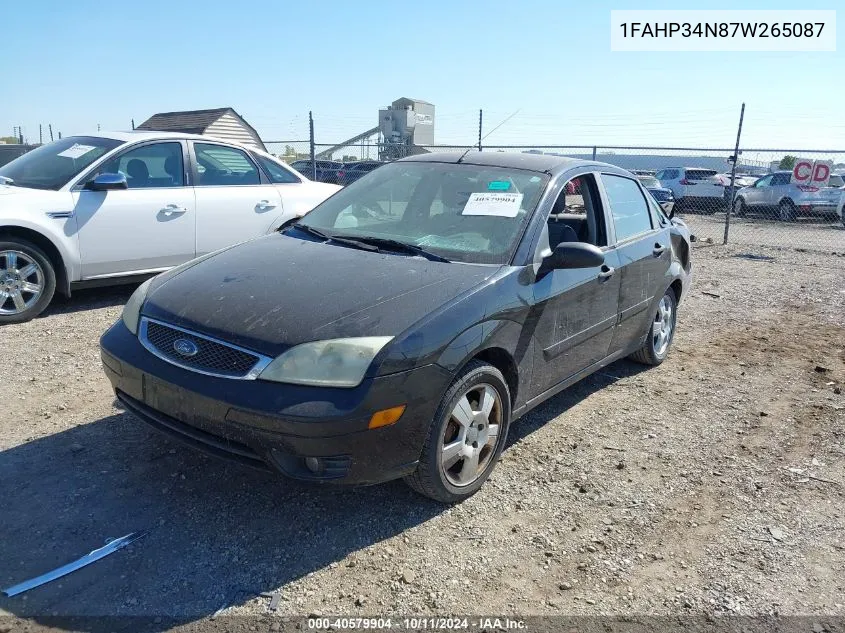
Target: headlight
{"type": "Point", "coordinates": [338, 362]}
{"type": "Point", "coordinates": [132, 309]}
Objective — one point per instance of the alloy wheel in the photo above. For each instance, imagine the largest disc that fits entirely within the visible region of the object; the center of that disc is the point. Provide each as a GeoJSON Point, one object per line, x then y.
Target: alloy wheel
{"type": "Point", "coordinates": [661, 330]}
{"type": "Point", "coordinates": [21, 282]}
{"type": "Point", "coordinates": [471, 435]}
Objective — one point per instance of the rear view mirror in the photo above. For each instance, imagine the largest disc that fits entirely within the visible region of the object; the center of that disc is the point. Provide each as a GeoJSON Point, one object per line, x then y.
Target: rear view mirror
{"type": "Point", "coordinates": [573, 255]}
{"type": "Point", "coordinates": [107, 182]}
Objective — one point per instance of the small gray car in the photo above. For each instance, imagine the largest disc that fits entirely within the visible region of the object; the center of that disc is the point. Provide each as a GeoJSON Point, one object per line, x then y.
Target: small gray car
{"type": "Point", "coordinates": [775, 194]}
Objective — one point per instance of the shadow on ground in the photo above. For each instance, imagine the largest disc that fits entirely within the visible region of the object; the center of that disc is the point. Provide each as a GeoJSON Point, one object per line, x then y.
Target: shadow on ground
{"type": "Point", "coordinates": [220, 533]}
{"type": "Point", "coordinates": [90, 299]}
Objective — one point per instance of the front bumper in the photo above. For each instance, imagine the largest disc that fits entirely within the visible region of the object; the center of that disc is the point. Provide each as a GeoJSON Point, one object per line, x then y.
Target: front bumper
{"type": "Point", "coordinates": [275, 426]}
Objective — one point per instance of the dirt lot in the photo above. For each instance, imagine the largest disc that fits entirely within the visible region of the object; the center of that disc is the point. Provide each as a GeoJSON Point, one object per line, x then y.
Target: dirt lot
{"type": "Point", "coordinates": [712, 484]}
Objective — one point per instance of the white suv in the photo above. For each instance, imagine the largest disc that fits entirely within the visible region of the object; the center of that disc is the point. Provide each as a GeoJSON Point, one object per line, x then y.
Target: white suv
{"type": "Point", "coordinates": [106, 209]}
{"type": "Point", "coordinates": [693, 187]}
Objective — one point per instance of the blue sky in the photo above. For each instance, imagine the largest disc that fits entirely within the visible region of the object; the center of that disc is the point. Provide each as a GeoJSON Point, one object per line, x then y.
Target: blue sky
{"type": "Point", "coordinates": [80, 64]}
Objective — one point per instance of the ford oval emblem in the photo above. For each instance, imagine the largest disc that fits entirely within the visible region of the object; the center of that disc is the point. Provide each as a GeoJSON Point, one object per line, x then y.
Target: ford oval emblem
{"type": "Point", "coordinates": [185, 347]}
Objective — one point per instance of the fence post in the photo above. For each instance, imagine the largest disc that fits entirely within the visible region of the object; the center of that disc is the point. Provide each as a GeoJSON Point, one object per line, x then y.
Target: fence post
{"type": "Point", "coordinates": [40, 135]}
{"type": "Point", "coordinates": [313, 149]}
{"type": "Point", "coordinates": [732, 193]}
{"type": "Point", "coordinates": [480, 116]}
{"type": "Point", "coordinates": [594, 153]}
{"type": "Point", "coordinates": [50, 127]}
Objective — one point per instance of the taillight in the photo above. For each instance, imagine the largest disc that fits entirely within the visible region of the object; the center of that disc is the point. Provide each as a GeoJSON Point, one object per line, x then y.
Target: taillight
{"type": "Point", "coordinates": [807, 188]}
{"type": "Point", "coordinates": [341, 174]}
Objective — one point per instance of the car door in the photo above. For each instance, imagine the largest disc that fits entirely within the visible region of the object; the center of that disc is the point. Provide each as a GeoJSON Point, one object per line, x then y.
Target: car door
{"type": "Point", "coordinates": [235, 201]}
{"type": "Point", "coordinates": [575, 310]}
{"type": "Point", "coordinates": [644, 251]}
{"type": "Point", "coordinates": [756, 196]}
{"type": "Point", "coordinates": [295, 203]}
{"type": "Point", "coordinates": [149, 226]}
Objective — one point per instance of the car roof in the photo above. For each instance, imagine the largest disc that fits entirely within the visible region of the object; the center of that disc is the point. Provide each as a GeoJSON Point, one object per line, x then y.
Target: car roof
{"type": "Point", "coordinates": [534, 162]}
{"type": "Point", "coordinates": [145, 135]}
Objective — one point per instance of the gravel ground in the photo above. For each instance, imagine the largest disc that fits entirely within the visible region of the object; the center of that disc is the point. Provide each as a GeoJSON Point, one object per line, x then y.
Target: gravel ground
{"type": "Point", "coordinates": [712, 484]}
{"type": "Point", "coordinates": [810, 233]}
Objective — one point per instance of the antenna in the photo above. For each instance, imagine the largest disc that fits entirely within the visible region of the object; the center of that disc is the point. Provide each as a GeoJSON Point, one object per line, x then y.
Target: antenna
{"type": "Point", "coordinates": [489, 133]}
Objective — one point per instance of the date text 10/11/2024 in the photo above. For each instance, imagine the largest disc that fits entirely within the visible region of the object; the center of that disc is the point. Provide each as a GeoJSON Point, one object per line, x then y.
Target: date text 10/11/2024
{"type": "Point", "coordinates": [416, 624]}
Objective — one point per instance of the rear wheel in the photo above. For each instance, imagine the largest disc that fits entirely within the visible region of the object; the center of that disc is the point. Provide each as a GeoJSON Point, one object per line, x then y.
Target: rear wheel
{"type": "Point", "coordinates": [27, 281]}
{"type": "Point", "coordinates": [468, 434]}
{"type": "Point", "coordinates": [739, 208]}
{"type": "Point", "coordinates": [786, 211]}
{"type": "Point", "coordinates": [655, 349]}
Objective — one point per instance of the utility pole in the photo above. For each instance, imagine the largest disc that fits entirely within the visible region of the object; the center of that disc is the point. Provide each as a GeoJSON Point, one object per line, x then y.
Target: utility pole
{"type": "Point", "coordinates": [480, 119]}
{"type": "Point", "coordinates": [20, 134]}
{"type": "Point", "coordinates": [733, 176]}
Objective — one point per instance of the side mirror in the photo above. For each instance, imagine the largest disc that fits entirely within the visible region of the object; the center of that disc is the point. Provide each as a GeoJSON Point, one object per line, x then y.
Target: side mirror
{"type": "Point", "coordinates": [573, 255]}
{"type": "Point", "coordinates": [107, 182]}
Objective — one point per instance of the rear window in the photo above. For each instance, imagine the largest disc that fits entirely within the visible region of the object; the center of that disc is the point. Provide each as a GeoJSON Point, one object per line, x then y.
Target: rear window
{"type": "Point", "coordinates": [836, 181]}
{"type": "Point", "coordinates": [700, 174]}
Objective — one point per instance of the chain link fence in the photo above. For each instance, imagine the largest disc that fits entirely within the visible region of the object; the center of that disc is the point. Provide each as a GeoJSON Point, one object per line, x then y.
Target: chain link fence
{"type": "Point", "coordinates": [762, 209]}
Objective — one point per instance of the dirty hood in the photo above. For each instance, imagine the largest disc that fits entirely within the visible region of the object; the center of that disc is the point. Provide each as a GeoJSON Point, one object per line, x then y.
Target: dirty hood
{"type": "Point", "coordinates": [277, 291]}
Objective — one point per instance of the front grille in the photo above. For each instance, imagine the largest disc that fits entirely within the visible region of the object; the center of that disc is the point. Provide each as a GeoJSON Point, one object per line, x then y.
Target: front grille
{"type": "Point", "coordinates": [210, 357]}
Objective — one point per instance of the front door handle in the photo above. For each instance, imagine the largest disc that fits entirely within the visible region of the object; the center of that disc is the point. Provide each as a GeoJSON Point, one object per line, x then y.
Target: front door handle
{"type": "Point", "coordinates": [264, 205]}
{"type": "Point", "coordinates": [172, 209]}
{"type": "Point", "coordinates": [606, 273]}
{"type": "Point", "coordinates": [658, 249]}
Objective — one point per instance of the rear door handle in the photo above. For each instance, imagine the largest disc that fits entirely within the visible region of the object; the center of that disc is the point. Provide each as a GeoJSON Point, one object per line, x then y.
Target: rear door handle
{"type": "Point", "coordinates": [173, 209]}
{"type": "Point", "coordinates": [265, 205]}
{"type": "Point", "coordinates": [606, 273]}
{"type": "Point", "coordinates": [658, 249]}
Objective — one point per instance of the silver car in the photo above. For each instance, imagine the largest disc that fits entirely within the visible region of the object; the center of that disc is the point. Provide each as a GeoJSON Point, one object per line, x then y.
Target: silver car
{"type": "Point", "coordinates": [775, 193]}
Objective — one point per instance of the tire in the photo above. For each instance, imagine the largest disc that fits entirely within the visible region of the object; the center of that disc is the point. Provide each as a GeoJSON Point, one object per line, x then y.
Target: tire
{"type": "Point", "coordinates": [739, 208]}
{"type": "Point", "coordinates": [786, 211]}
{"type": "Point", "coordinates": [431, 478]}
{"type": "Point", "coordinates": [651, 353]}
{"type": "Point", "coordinates": [19, 256]}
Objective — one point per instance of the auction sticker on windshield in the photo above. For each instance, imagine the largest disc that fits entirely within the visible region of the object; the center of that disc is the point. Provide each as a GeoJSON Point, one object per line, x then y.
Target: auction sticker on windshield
{"type": "Point", "coordinates": [504, 205]}
{"type": "Point", "coordinates": [76, 150]}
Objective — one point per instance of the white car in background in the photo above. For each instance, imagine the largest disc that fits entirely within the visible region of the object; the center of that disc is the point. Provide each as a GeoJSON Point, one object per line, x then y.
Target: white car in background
{"type": "Point", "coordinates": [694, 187]}
{"type": "Point", "coordinates": [109, 208]}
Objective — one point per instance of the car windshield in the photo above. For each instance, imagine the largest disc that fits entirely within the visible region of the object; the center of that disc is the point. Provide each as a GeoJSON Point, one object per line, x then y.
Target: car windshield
{"type": "Point", "coordinates": [649, 181]}
{"type": "Point", "coordinates": [53, 165]}
{"type": "Point", "coordinates": [461, 212]}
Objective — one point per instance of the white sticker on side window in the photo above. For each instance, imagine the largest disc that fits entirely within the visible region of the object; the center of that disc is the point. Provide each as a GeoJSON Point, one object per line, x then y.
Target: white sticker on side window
{"type": "Point", "coordinates": [503, 205]}
{"type": "Point", "coordinates": [76, 150]}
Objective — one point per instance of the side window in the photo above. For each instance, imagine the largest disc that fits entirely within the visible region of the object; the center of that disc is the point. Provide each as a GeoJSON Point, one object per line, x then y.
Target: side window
{"type": "Point", "coordinates": [763, 182]}
{"type": "Point", "coordinates": [627, 206]}
{"type": "Point", "coordinates": [661, 174]}
{"type": "Point", "coordinates": [577, 214]}
{"type": "Point", "coordinates": [276, 172]}
{"type": "Point", "coordinates": [149, 166]}
{"type": "Point", "coordinates": [218, 165]}
{"type": "Point", "coordinates": [780, 179]}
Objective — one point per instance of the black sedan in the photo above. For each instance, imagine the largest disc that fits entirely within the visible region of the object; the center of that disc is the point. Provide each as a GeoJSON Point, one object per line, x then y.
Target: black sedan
{"type": "Point", "coordinates": [405, 322]}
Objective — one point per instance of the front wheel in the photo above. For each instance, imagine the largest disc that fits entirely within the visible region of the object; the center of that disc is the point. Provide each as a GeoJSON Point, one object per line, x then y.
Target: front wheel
{"type": "Point", "coordinates": [468, 434]}
{"type": "Point", "coordinates": [739, 208]}
{"type": "Point", "coordinates": [655, 349]}
{"type": "Point", "coordinates": [27, 281]}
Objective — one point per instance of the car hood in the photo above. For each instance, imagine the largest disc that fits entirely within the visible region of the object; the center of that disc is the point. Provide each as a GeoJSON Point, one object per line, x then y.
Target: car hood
{"type": "Point", "coordinates": [277, 291]}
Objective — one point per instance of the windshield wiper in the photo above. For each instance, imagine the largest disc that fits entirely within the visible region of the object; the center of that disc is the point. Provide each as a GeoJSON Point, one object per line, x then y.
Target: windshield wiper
{"type": "Point", "coordinates": [395, 245]}
{"type": "Point", "coordinates": [346, 240]}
